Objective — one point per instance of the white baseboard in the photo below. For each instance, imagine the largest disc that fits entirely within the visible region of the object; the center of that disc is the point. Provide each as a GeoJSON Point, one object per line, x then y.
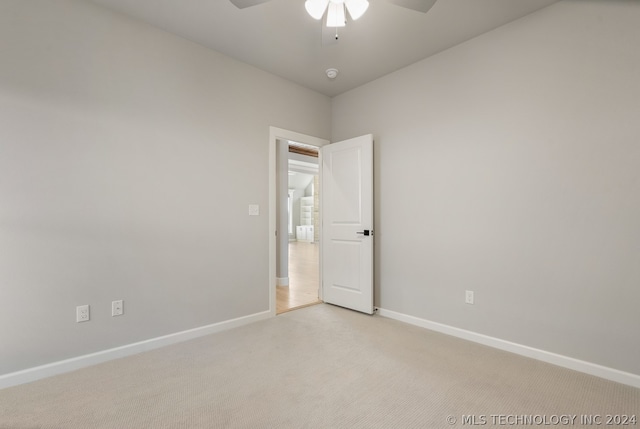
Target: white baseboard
{"type": "Point", "coordinates": [553, 358]}
{"type": "Point", "coordinates": [282, 281]}
{"type": "Point", "coordinates": [67, 365]}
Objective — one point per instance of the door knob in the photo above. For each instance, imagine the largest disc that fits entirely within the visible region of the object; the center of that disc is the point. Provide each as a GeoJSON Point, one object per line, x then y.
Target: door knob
{"type": "Point", "coordinates": [366, 232]}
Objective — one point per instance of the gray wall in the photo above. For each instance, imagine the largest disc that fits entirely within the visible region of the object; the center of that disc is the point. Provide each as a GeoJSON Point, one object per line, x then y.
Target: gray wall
{"type": "Point", "coordinates": [509, 165]}
{"type": "Point", "coordinates": [118, 145]}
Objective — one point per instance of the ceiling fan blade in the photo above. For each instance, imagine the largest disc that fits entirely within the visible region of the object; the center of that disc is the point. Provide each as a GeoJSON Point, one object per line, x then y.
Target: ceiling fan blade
{"type": "Point", "coordinates": [241, 4]}
{"type": "Point", "coordinates": [418, 5]}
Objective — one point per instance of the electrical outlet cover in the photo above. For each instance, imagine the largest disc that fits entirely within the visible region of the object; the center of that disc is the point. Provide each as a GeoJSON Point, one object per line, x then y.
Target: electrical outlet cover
{"type": "Point", "coordinates": [82, 313]}
{"type": "Point", "coordinates": [468, 297]}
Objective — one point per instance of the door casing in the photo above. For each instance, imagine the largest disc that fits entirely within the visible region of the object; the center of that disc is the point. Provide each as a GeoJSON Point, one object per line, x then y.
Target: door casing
{"type": "Point", "coordinates": [276, 134]}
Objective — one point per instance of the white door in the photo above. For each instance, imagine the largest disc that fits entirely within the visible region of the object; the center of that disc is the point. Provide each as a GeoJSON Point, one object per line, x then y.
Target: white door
{"type": "Point", "coordinates": [347, 223]}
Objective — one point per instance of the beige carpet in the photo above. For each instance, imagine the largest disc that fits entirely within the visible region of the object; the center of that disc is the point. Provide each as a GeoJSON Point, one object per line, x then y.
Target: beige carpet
{"type": "Point", "coordinates": [318, 367]}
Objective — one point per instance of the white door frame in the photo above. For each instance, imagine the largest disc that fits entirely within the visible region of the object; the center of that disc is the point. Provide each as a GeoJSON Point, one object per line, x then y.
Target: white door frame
{"type": "Point", "coordinates": [276, 134]}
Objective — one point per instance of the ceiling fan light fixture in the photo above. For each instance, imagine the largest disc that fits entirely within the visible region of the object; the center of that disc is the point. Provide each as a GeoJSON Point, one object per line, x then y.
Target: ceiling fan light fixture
{"type": "Point", "coordinates": [316, 8]}
{"type": "Point", "coordinates": [356, 8]}
{"type": "Point", "coordinates": [335, 15]}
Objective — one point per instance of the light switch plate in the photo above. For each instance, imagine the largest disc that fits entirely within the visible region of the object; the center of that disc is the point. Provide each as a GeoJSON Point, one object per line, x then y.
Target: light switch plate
{"type": "Point", "coordinates": [117, 308]}
{"type": "Point", "coordinates": [254, 210]}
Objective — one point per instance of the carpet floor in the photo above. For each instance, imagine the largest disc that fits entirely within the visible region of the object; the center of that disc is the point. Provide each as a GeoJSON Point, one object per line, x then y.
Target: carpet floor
{"type": "Point", "coordinates": [318, 367]}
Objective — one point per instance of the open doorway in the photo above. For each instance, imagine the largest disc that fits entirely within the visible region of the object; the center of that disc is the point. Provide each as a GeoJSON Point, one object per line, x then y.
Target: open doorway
{"type": "Point", "coordinates": [295, 263]}
{"type": "Point", "coordinates": [300, 287]}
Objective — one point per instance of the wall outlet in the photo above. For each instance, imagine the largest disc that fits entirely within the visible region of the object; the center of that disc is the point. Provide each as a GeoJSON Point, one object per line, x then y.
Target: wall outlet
{"type": "Point", "coordinates": [254, 210]}
{"type": "Point", "coordinates": [82, 313]}
{"type": "Point", "coordinates": [468, 296]}
{"type": "Point", "coordinates": [117, 308]}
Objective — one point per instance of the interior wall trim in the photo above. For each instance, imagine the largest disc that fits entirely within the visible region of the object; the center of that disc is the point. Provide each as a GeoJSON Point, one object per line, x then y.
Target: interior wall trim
{"type": "Point", "coordinates": [282, 281]}
{"type": "Point", "coordinates": [542, 355]}
{"type": "Point", "coordinates": [36, 373]}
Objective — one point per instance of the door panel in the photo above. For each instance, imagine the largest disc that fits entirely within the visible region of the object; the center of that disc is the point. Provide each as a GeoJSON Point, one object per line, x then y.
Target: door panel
{"type": "Point", "coordinates": [347, 211]}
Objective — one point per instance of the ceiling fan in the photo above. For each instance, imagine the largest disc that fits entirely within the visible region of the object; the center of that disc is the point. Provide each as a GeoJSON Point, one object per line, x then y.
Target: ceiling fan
{"type": "Point", "coordinates": [336, 16]}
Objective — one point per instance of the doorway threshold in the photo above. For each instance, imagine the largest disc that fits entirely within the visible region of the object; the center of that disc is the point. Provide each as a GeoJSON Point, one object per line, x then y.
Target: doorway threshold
{"type": "Point", "coordinates": [283, 305]}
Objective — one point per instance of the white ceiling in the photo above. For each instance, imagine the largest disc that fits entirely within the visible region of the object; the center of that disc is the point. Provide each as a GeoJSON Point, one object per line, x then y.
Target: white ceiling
{"type": "Point", "coordinates": [281, 38]}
